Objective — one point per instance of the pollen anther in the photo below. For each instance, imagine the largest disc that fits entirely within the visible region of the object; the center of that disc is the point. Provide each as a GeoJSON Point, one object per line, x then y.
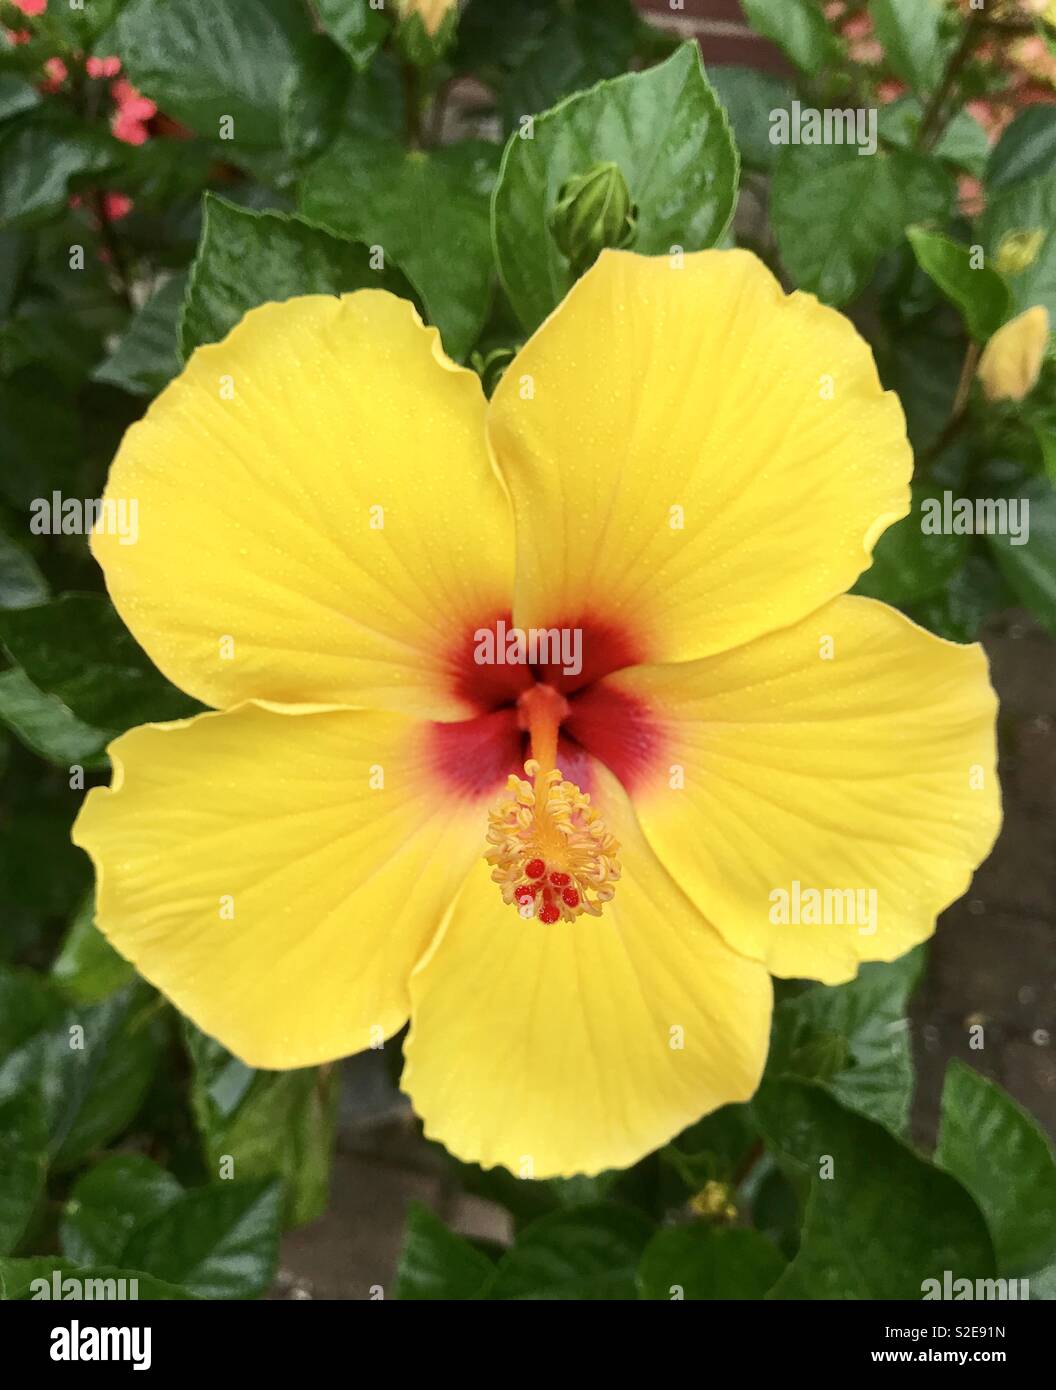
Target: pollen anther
{"type": "Point", "coordinates": [545, 832]}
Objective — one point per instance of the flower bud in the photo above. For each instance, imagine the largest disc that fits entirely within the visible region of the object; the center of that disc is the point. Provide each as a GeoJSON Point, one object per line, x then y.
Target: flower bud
{"type": "Point", "coordinates": [426, 28]}
{"type": "Point", "coordinates": [1011, 363]}
{"type": "Point", "coordinates": [1018, 251]}
{"type": "Point", "coordinates": [593, 211]}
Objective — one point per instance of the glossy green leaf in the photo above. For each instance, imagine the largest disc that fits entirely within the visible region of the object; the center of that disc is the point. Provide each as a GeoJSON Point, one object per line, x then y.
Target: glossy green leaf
{"type": "Point", "coordinates": [749, 97]}
{"type": "Point", "coordinates": [797, 26]}
{"type": "Point", "coordinates": [77, 648]}
{"type": "Point", "coordinates": [203, 62]}
{"type": "Point", "coordinates": [21, 583]}
{"type": "Point", "coordinates": [218, 1242]}
{"type": "Point", "coordinates": [148, 357]}
{"type": "Point", "coordinates": [248, 258]}
{"type": "Point", "coordinates": [909, 562]}
{"type": "Point", "coordinates": [435, 1263]}
{"type": "Point", "coordinates": [23, 1162]}
{"type": "Point", "coordinates": [586, 1253]}
{"type": "Point", "coordinates": [110, 1201]}
{"type": "Point", "coordinates": [911, 32]}
{"type": "Point", "coordinates": [1026, 150]}
{"type": "Point", "coordinates": [19, 1280]}
{"type": "Point", "coordinates": [668, 134]}
{"type": "Point", "coordinates": [427, 211]}
{"type": "Point", "coordinates": [37, 164]}
{"type": "Point", "coordinates": [879, 1220]}
{"type": "Point", "coordinates": [359, 27]}
{"type": "Point", "coordinates": [874, 1070]}
{"type": "Point", "coordinates": [87, 967]}
{"type": "Point", "coordinates": [45, 725]}
{"type": "Point", "coordinates": [996, 1150]}
{"type": "Point", "coordinates": [836, 212]}
{"type": "Point", "coordinates": [270, 1123]}
{"type": "Point", "coordinates": [978, 291]}
{"type": "Point", "coordinates": [708, 1262]}
{"type": "Point", "coordinates": [1030, 567]}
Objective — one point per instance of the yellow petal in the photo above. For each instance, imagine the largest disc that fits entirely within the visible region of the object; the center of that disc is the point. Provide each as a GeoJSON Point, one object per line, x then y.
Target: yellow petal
{"type": "Point", "coordinates": [694, 457]}
{"type": "Point", "coordinates": [318, 517]}
{"type": "Point", "coordinates": [581, 1046]}
{"type": "Point", "coordinates": [278, 874]}
{"type": "Point", "coordinates": [851, 751]}
{"type": "Point", "coordinates": [1011, 362]}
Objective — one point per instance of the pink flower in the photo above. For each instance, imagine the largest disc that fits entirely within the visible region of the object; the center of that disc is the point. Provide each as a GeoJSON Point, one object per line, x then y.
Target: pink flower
{"type": "Point", "coordinates": [116, 206]}
{"type": "Point", "coordinates": [890, 90]}
{"type": "Point", "coordinates": [867, 51]}
{"type": "Point", "coordinates": [103, 67]}
{"type": "Point", "coordinates": [30, 8]}
{"type": "Point", "coordinates": [129, 121]}
{"type": "Point", "coordinates": [970, 196]}
{"type": "Point", "coordinates": [56, 70]}
{"type": "Point", "coordinates": [859, 26]}
{"type": "Point", "coordinates": [17, 36]}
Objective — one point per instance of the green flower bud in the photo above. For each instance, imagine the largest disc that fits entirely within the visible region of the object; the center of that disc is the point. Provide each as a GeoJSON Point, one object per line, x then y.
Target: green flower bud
{"type": "Point", "coordinates": [593, 211]}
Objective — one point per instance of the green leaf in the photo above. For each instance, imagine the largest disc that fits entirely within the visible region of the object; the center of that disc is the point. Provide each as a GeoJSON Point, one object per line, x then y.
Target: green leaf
{"type": "Point", "coordinates": [77, 648]}
{"type": "Point", "coordinates": [1021, 198]}
{"type": "Point", "coordinates": [749, 97]}
{"type": "Point", "coordinates": [45, 725]}
{"type": "Point", "coordinates": [798, 27]}
{"type": "Point", "coordinates": [668, 134]}
{"type": "Point", "coordinates": [958, 611]}
{"type": "Point", "coordinates": [358, 27]}
{"type": "Point", "coordinates": [248, 258]}
{"type": "Point", "coordinates": [979, 292]}
{"type": "Point", "coordinates": [21, 583]}
{"type": "Point", "coordinates": [963, 142]}
{"type": "Point", "coordinates": [23, 1162]}
{"type": "Point", "coordinates": [708, 1262]}
{"type": "Point", "coordinates": [1030, 568]}
{"type": "Point", "coordinates": [37, 163]}
{"type": "Point", "coordinates": [41, 440]}
{"type": "Point", "coordinates": [87, 967]}
{"type": "Point", "coordinates": [16, 96]}
{"type": "Point", "coordinates": [429, 213]}
{"type": "Point", "coordinates": [147, 357]}
{"type": "Point", "coordinates": [911, 32]}
{"type": "Point", "coordinates": [218, 1242]}
{"type": "Point", "coordinates": [996, 1150]}
{"type": "Point", "coordinates": [1026, 150]}
{"type": "Point", "coordinates": [17, 1278]}
{"type": "Point", "coordinates": [581, 44]}
{"type": "Point", "coordinates": [272, 1124]}
{"type": "Point", "coordinates": [586, 1253]}
{"type": "Point", "coordinates": [909, 563]}
{"type": "Point", "coordinates": [93, 1088]}
{"type": "Point", "coordinates": [202, 61]}
{"type": "Point", "coordinates": [884, 1221]}
{"type": "Point", "coordinates": [835, 212]}
{"type": "Point", "coordinates": [109, 1202]}
{"type": "Point", "coordinates": [437, 1264]}
{"type": "Point", "coordinates": [875, 1075]}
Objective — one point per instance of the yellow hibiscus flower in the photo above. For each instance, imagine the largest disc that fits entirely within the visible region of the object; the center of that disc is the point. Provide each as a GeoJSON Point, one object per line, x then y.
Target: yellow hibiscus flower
{"type": "Point", "coordinates": [684, 466]}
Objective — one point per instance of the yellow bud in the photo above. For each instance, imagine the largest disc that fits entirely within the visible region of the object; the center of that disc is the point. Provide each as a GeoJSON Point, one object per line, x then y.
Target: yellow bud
{"type": "Point", "coordinates": [431, 12]}
{"type": "Point", "coordinates": [1011, 364]}
{"type": "Point", "coordinates": [1019, 250]}
{"type": "Point", "coordinates": [713, 1202]}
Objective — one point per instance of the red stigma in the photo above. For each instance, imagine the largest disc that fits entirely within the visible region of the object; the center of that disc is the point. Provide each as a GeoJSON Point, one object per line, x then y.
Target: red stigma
{"type": "Point", "coordinates": [548, 913]}
{"type": "Point", "coordinates": [560, 880]}
{"type": "Point", "coordinates": [535, 868]}
{"type": "Point", "coordinates": [571, 897]}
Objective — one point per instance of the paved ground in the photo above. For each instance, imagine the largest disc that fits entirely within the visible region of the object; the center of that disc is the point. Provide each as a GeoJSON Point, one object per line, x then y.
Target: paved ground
{"type": "Point", "coordinates": [993, 962]}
